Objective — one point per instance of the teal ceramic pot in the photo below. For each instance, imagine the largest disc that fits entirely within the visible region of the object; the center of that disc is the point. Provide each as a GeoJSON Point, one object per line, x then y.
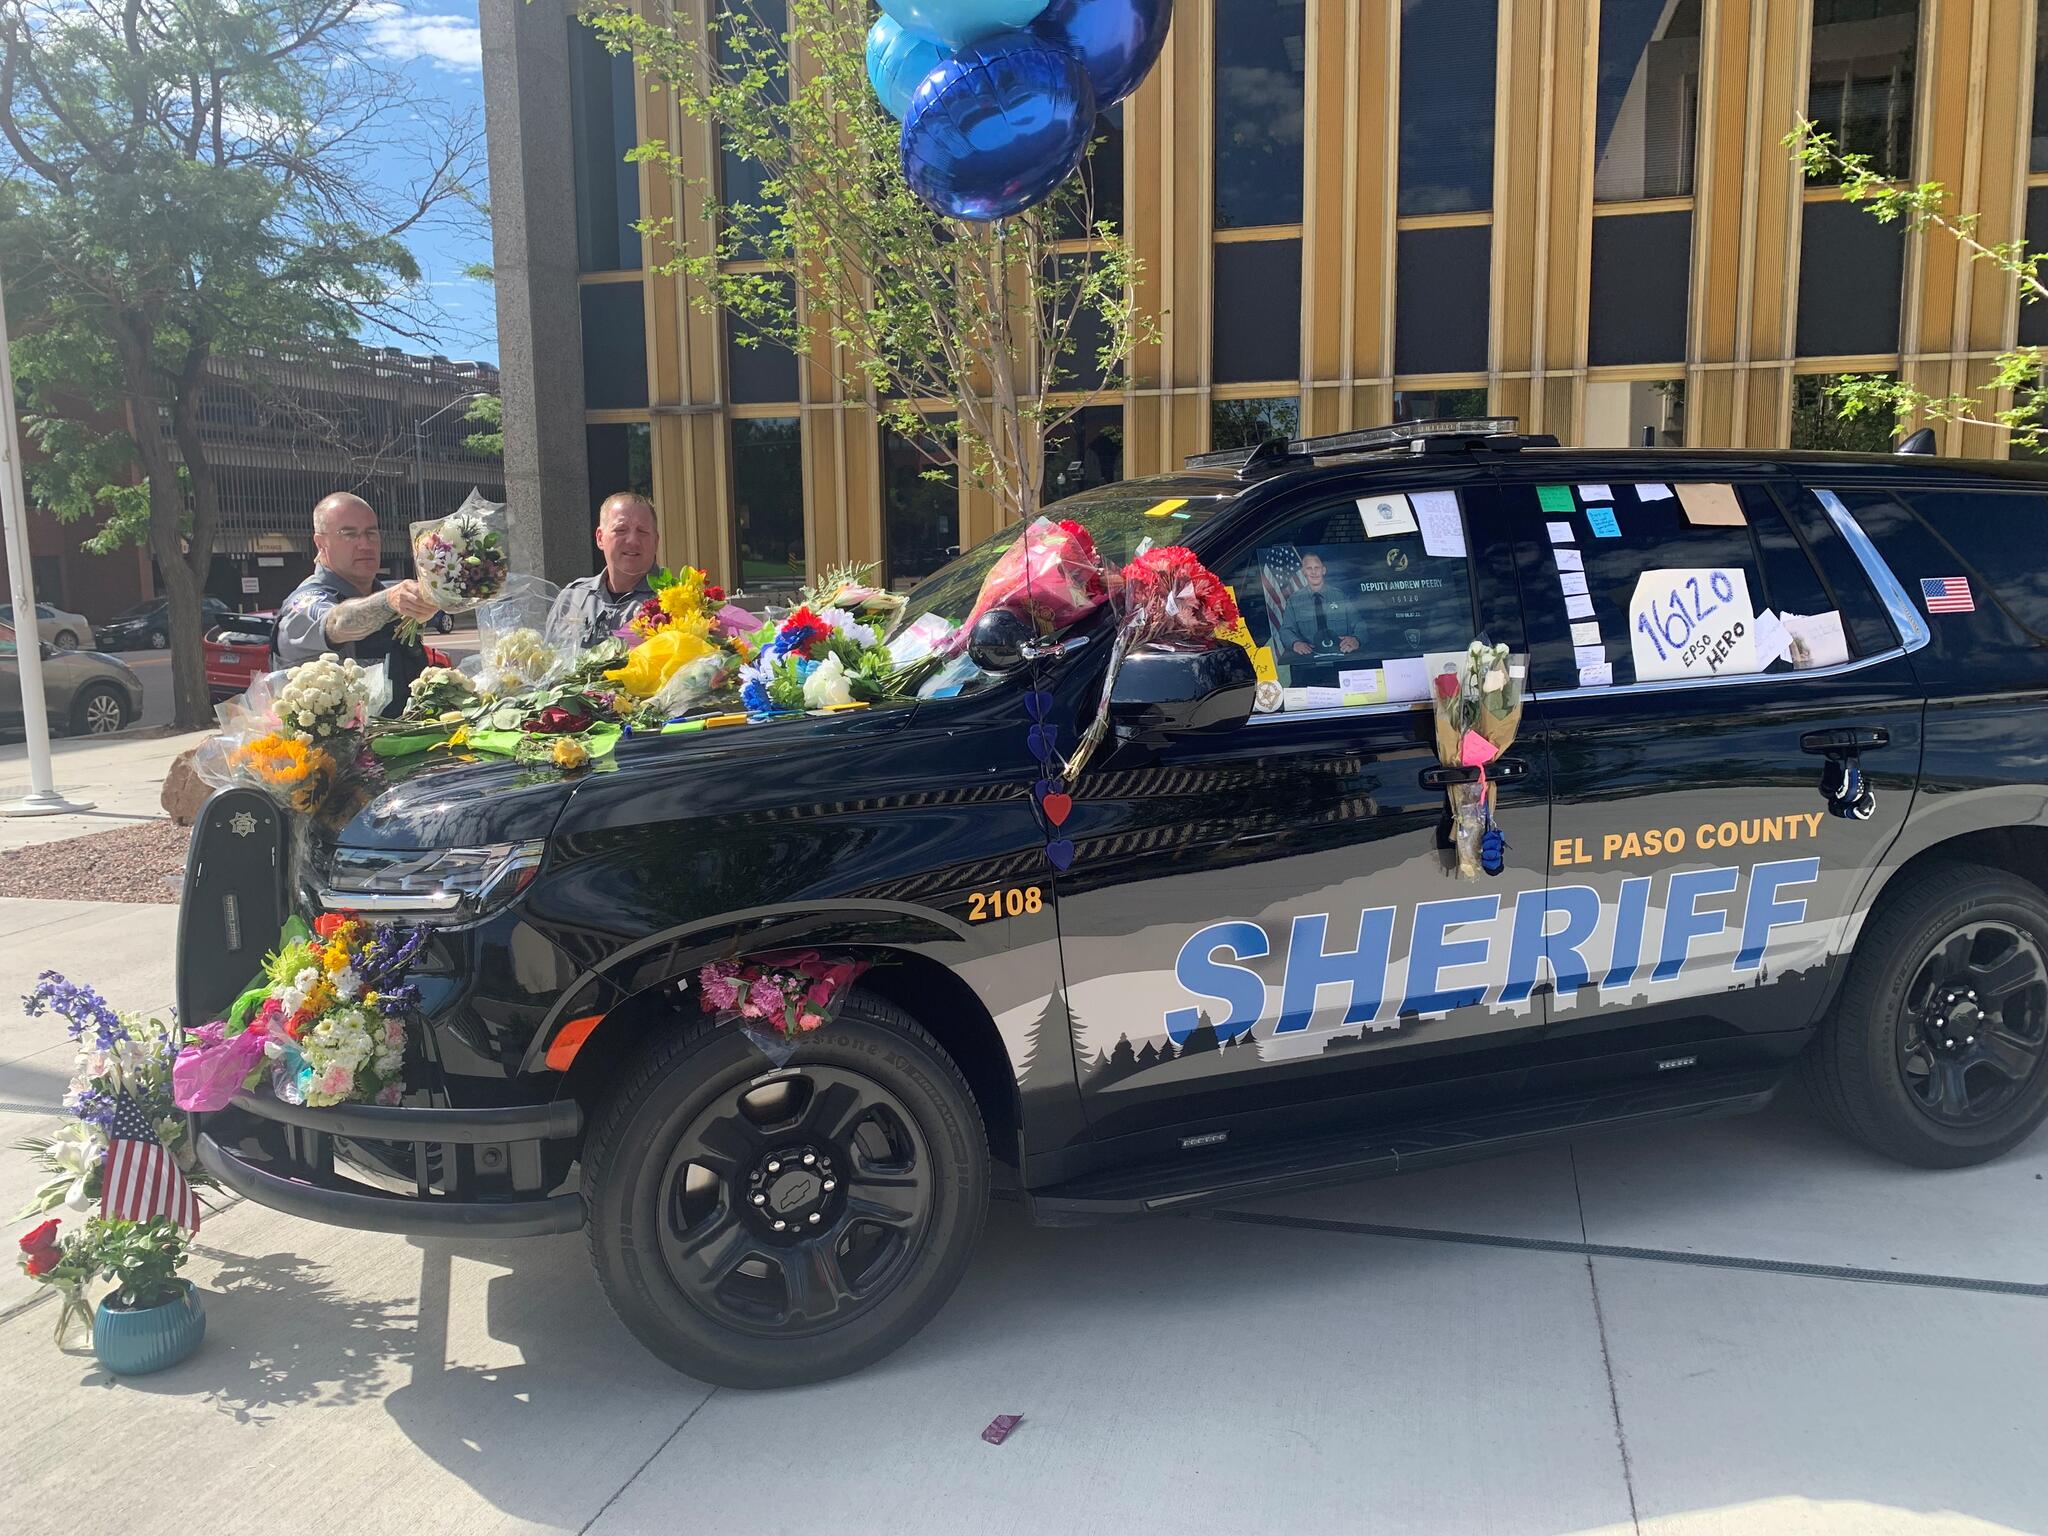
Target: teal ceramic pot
{"type": "Point", "coordinates": [134, 1343]}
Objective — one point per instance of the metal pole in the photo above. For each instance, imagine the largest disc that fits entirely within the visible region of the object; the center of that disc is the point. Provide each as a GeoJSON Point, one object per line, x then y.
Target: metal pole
{"type": "Point", "coordinates": [42, 798]}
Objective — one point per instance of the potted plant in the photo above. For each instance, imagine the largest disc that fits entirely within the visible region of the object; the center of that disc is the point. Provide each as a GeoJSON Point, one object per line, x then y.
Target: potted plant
{"type": "Point", "coordinates": [152, 1319]}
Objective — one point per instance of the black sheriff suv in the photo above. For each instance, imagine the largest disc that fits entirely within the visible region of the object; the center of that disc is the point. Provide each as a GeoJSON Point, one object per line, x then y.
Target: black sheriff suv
{"type": "Point", "coordinates": [1778, 800]}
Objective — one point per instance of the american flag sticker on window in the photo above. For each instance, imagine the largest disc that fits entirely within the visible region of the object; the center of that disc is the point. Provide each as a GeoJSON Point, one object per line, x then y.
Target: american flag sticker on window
{"type": "Point", "coordinates": [1947, 594]}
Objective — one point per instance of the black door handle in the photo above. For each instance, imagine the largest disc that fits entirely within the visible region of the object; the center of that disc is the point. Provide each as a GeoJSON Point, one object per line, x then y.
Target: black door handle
{"type": "Point", "coordinates": [1844, 739]}
{"type": "Point", "coordinates": [1442, 777]}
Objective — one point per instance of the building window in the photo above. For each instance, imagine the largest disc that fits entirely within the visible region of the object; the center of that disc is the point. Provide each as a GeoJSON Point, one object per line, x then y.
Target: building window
{"type": "Point", "coordinates": [920, 516]}
{"type": "Point", "coordinates": [1634, 413]}
{"type": "Point", "coordinates": [1247, 423]}
{"type": "Point", "coordinates": [1103, 174]}
{"type": "Point", "coordinates": [742, 181]}
{"type": "Point", "coordinates": [602, 130]}
{"type": "Point", "coordinates": [760, 370]}
{"type": "Point", "coordinates": [1084, 451]}
{"type": "Point", "coordinates": [1861, 87]}
{"type": "Point", "coordinates": [1440, 404]}
{"type": "Point", "coordinates": [1648, 107]}
{"type": "Point", "coordinates": [1817, 423]}
{"type": "Point", "coordinates": [1257, 325]}
{"type": "Point", "coordinates": [2037, 159]}
{"type": "Point", "coordinates": [1442, 281]}
{"type": "Point", "coordinates": [2033, 331]}
{"type": "Point", "coordinates": [614, 346]}
{"type": "Point", "coordinates": [618, 456]}
{"type": "Point", "coordinates": [768, 502]}
{"type": "Point", "coordinates": [1447, 86]}
{"type": "Point", "coordinates": [1640, 279]}
{"type": "Point", "coordinates": [1261, 105]}
{"type": "Point", "coordinates": [1851, 273]}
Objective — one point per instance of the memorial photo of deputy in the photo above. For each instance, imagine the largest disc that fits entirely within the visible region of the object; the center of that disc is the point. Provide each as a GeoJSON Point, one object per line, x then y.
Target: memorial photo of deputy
{"type": "Point", "coordinates": [1318, 623]}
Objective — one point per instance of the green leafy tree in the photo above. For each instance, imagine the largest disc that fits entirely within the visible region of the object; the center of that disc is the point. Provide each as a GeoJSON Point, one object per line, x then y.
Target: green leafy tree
{"type": "Point", "coordinates": [487, 415]}
{"type": "Point", "coordinates": [1009, 328]}
{"type": "Point", "coordinates": [183, 181]}
{"type": "Point", "coordinates": [1885, 401]}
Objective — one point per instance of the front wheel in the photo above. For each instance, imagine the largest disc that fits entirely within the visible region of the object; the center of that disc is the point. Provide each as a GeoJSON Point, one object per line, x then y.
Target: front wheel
{"type": "Point", "coordinates": [99, 711]}
{"type": "Point", "coordinates": [1937, 1051]}
{"type": "Point", "coordinates": [759, 1225]}
{"type": "Point", "coordinates": [159, 639]}
{"type": "Point", "coordinates": [67, 640]}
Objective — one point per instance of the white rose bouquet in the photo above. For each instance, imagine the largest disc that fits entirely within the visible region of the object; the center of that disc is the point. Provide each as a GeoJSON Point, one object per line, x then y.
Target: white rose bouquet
{"type": "Point", "coordinates": [323, 699]}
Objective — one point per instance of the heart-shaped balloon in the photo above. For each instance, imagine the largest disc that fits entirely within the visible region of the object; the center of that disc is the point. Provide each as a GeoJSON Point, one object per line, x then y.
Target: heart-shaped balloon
{"type": "Point", "coordinates": [1060, 852]}
{"type": "Point", "coordinates": [1058, 808]}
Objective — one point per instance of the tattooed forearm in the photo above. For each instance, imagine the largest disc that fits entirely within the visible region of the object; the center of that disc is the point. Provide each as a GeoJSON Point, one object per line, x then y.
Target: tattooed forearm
{"type": "Point", "coordinates": [358, 618]}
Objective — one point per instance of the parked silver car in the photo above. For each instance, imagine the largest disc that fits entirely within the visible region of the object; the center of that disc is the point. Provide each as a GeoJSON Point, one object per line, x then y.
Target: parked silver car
{"type": "Point", "coordinates": [66, 631]}
{"type": "Point", "coordinates": [86, 693]}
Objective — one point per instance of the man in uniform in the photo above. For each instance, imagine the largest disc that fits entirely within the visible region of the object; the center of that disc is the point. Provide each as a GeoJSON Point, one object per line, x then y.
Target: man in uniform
{"type": "Point", "coordinates": [591, 608]}
{"type": "Point", "coordinates": [1320, 622]}
{"type": "Point", "coordinates": [340, 607]}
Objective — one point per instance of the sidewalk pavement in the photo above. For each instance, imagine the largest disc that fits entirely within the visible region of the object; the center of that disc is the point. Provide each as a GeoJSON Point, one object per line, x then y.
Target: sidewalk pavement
{"type": "Point", "coordinates": [1730, 1326]}
{"type": "Point", "coordinates": [122, 775]}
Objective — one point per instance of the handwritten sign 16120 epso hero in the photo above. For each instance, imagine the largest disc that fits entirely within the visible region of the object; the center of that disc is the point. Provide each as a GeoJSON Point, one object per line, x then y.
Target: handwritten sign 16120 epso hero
{"type": "Point", "coordinates": [1691, 623]}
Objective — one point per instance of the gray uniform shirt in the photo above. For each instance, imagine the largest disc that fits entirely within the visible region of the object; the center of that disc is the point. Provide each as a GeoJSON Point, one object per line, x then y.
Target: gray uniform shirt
{"type": "Point", "coordinates": [1303, 621]}
{"type": "Point", "coordinates": [587, 610]}
{"type": "Point", "coordinates": [302, 619]}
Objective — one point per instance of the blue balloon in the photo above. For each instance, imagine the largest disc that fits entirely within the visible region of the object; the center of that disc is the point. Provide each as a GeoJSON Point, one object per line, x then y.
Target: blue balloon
{"type": "Point", "coordinates": [1117, 41]}
{"type": "Point", "coordinates": [997, 127]}
{"type": "Point", "coordinates": [897, 61]}
{"type": "Point", "coordinates": [956, 23]}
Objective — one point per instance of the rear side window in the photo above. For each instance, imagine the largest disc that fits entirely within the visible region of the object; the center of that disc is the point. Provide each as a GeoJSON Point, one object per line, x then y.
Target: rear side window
{"type": "Point", "coordinates": [1653, 581]}
{"type": "Point", "coordinates": [2002, 539]}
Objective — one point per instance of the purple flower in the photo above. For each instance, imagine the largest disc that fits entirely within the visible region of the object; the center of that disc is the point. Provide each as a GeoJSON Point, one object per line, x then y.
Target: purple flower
{"type": "Point", "coordinates": [93, 1107]}
{"type": "Point", "coordinates": [78, 1006]}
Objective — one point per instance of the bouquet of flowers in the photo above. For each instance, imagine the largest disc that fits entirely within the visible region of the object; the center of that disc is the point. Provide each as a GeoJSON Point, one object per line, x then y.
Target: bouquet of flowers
{"type": "Point", "coordinates": [1051, 575]}
{"type": "Point", "coordinates": [295, 734]}
{"type": "Point", "coordinates": [1477, 702]}
{"type": "Point", "coordinates": [823, 657]}
{"type": "Point", "coordinates": [459, 559]}
{"type": "Point", "coordinates": [1166, 597]}
{"type": "Point", "coordinates": [793, 994]}
{"type": "Point", "coordinates": [438, 690]}
{"type": "Point", "coordinates": [849, 588]}
{"type": "Point", "coordinates": [326, 1018]}
{"type": "Point", "coordinates": [142, 1257]}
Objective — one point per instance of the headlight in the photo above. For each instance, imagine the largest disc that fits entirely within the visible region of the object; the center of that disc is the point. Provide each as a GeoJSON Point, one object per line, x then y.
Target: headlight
{"type": "Point", "coordinates": [458, 883]}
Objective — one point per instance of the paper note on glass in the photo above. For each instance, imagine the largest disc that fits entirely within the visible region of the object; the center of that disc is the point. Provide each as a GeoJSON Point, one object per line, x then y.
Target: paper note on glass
{"type": "Point", "coordinates": [1561, 533]}
{"type": "Point", "coordinates": [1601, 676]}
{"type": "Point", "coordinates": [1695, 622]}
{"type": "Point", "coordinates": [1407, 679]}
{"type": "Point", "coordinates": [1817, 638]}
{"type": "Point", "coordinates": [1773, 641]}
{"type": "Point", "coordinates": [1711, 506]}
{"type": "Point", "coordinates": [1603, 521]}
{"type": "Point", "coordinates": [1386, 515]}
{"type": "Point", "coordinates": [1578, 605]}
{"type": "Point", "coordinates": [1359, 680]}
{"type": "Point", "coordinates": [1653, 493]}
{"type": "Point", "coordinates": [1554, 498]}
{"type": "Point", "coordinates": [1324, 698]}
{"type": "Point", "coordinates": [1572, 583]}
{"type": "Point", "coordinates": [1587, 633]}
{"type": "Point", "coordinates": [1596, 493]}
{"type": "Point", "coordinates": [1569, 559]}
{"type": "Point", "coordinates": [1443, 531]}
{"type": "Point", "coordinates": [1590, 655]}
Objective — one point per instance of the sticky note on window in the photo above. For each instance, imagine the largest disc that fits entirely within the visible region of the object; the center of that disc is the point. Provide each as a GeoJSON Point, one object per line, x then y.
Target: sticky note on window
{"type": "Point", "coordinates": [1572, 583]}
{"type": "Point", "coordinates": [1578, 606]}
{"type": "Point", "coordinates": [1603, 521]}
{"type": "Point", "coordinates": [1568, 559]}
{"type": "Point", "coordinates": [1601, 676]}
{"type": "Point", "coordinates": [1711, 506]}
{"type": "Point", "coordinates": [1166, 508]}
{"type": "Point", "coordinates": [1587, 633]}
{"type": "Point", "coordinates": [1561, 533]}
{"type": "Point", "coordinates": [1554, 498]}
{"type": "Point", "coordinates": [1590, 655]}
{"type": "Point", "coordinates": [1653, 492]}
{"type": "Point", "coordinates": [1596, 493]}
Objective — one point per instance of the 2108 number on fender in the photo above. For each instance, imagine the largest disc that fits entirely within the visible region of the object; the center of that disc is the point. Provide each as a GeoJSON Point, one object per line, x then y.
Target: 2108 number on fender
{"type": "Point", "coordinates": [1017, 901]}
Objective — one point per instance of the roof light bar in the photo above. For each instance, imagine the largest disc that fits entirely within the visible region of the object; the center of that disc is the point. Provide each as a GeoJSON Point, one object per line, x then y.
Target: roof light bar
{"type": "Point", "coordinates": [1402, 433]}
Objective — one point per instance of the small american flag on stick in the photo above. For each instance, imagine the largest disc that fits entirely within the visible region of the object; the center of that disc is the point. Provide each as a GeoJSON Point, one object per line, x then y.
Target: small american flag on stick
{"type": "Point", "coordinates": [1947, 594]}
{"type": "Point", "coordinates": [1279, 579]}
{"type": "Point", "coordinates": [141, 1179]}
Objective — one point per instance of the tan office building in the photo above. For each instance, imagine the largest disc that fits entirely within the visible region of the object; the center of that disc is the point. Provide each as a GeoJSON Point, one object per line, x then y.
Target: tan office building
{"type": "Point", "coordinates": [1576, 212]}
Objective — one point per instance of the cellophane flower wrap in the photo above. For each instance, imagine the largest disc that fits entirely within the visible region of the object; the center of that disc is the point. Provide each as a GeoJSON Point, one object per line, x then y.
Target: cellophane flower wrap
{"type": "Point", "coordinates": [461, 560]}
{"type": "Point", "coordinates": [1477, 705]}
{"type": "Point", "coordinates": [792, 994]}
{"type": "Point", "coordinates": [327, 1014]}
{"type": "Point", "coordinates": [1051, 576]}
{"type": "Point", "coordinates": [1164, 597]}
{"type": "Point", "coordinates": [514, 652]}
{"type": "Point", "coordinates": [295, 734]}
{"type": "Point", "coordinates": [820, 656]}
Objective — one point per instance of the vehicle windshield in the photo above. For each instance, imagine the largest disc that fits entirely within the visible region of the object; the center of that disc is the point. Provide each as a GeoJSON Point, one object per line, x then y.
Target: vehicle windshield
{"type": "Point", "coordinates": [1118, 517]}
{"type": "Point", "coordinates": [142, 610]}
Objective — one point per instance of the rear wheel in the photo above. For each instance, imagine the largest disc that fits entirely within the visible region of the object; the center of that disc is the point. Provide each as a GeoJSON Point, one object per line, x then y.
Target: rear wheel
{"type": "Point", "coordinates": [763, 1226]}
{"type": "Point", "coordinates": [67, 640]}
{"type": "Point", "coordinates": [159, 638]}
{"type": "Point", "coordinates": [1937, 1051]}
{"type": "Point", "coordinates": [99, 710]}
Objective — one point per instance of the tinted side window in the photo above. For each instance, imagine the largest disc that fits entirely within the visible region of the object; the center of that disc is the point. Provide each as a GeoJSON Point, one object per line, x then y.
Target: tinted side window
{"type": "Point", "coordinates": [2000, 536]}
{"type": "Point", "coordinates": [1601, 543]}
{"type": "Point", "coordinates": [1352, 615]}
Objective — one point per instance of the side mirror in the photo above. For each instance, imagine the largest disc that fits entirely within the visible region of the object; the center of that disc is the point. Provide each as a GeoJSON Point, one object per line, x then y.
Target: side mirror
{"type": "Point", "coordinates": [997, 644]}
{"type": "Point", "coordinates": [1162, 693]}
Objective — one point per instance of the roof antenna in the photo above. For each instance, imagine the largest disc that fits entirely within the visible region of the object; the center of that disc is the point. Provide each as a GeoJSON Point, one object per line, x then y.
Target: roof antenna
{"type": "Point", "coordinates": [1921, 442]}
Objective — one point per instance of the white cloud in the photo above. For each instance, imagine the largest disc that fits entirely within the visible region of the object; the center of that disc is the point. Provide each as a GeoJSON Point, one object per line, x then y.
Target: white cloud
{"type": "Point", "coordinates": [404, 35]}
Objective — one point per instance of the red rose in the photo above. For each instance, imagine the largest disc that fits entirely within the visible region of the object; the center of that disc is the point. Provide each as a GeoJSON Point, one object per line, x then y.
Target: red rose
{"type": "Point", "coordinates": [714, 594]}
{"type": "Point", "coordinates": [1446, 685]}
{"type": "Point", "coordinates": [557, 719]}
{"type": "Point", "coordinates": [328, 923]}
{"type": "Point", "coordinates": [40, 1249]}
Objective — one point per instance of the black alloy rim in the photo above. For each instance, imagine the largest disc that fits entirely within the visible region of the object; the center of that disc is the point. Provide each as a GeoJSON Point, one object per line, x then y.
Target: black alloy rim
{"type": "Point", "coordinates": [1976, 1026]}
{"type": "Point", "coordinates": [795, 1202]}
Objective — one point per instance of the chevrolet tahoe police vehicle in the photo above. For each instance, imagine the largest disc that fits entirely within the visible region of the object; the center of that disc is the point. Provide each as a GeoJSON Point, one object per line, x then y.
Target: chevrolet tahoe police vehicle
{"type": "Point", "coordinates": [1779, 799]}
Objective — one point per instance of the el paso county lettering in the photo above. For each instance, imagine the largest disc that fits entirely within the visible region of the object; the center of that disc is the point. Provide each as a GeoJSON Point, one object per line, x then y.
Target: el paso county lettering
{"type": "Point", "coordinates": [1706, 837]}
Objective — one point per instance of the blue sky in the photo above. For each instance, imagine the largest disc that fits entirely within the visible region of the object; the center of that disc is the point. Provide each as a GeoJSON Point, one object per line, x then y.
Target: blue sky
{"type": "Point", "coordinates": [435, 44]}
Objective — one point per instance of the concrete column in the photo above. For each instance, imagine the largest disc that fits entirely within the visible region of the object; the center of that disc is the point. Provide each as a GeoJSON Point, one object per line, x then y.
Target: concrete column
{"type": "Point", "coordinates": [540, 326]}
